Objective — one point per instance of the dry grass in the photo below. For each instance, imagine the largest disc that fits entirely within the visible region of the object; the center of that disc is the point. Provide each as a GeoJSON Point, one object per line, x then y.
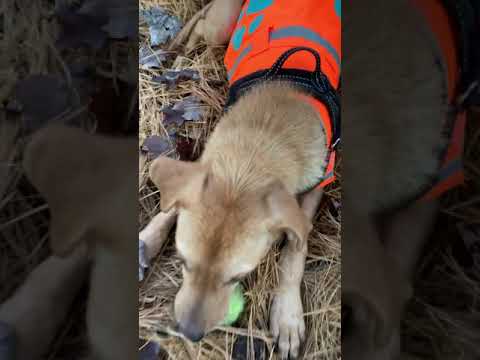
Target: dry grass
{"type": "Point", "coordinates": [321, 284]}
{"type": "Point", "coordinates": [27, 47]}
{"type": "Point", "coordinates": [443, 320]}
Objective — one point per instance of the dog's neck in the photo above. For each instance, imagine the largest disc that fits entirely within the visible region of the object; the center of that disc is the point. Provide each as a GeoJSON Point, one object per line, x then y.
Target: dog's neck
{"type": "Point", "coordinates": [269, 134]}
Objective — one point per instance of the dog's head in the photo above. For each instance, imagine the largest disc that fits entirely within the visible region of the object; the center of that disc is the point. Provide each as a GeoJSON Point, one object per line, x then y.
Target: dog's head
{"type": "Point", "coordinates": [89, 182]}
{"type": "Point", "coordinates": [222, 235]}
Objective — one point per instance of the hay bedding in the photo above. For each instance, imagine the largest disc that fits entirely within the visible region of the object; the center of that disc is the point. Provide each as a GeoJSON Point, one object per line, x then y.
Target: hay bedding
{"type": "Point", "coordinates": [321, 284]}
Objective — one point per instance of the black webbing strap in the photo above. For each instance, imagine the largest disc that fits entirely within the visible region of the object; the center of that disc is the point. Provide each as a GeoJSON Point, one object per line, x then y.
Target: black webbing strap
{"type": "Point", "coordinates": [314, 83]}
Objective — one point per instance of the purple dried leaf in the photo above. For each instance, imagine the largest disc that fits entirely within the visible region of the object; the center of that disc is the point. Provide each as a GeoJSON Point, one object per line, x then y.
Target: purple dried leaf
{"type": "Point", "coordinates": [162, 26]}
{"type": "Point", "coordinates": [172, 77]}
{"type": "Point", "coordinates": [189, 109]}
{"type": "Point", "coordinates": [80, 29]}
{"type": "Point", "coordinates": [143, 262]}
{"type": "Point", "coordinates": [156, 145]}
{"type": "Point", "coordinates": [172, 117]}
{"type": "Point", "coordinates": [149, 58]}
{"type": "Point", "coordinates": [150, 351]}
{"type": "Point", "coordinates": [94, 21]}
{"type": "Point", "coordinates": [41, 98]}
{"type": "Point", "coordinates": [122, 22]}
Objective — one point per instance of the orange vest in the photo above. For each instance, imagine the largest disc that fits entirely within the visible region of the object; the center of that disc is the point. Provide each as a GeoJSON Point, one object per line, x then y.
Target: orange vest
{"type": "Point", "coordinates": [267, 29]}
{"type": "Point", "coordinates": [451, 173]}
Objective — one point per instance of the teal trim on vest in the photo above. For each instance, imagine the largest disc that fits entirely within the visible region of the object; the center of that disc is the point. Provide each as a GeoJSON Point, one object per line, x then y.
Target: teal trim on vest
{"type": "Point", "coordinates": [284, 33]}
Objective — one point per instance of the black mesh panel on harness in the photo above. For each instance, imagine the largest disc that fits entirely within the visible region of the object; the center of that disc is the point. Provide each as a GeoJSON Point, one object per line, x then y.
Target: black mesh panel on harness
{"type": "Point", "coordinates": [314, 83]}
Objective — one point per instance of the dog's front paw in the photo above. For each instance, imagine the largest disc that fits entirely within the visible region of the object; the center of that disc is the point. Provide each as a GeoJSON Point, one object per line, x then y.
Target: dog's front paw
{"type": "Point", "coordinates": [286, 322]}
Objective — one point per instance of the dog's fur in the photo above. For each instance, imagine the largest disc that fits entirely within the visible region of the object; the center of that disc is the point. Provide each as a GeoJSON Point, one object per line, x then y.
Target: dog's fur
{"type": "Point", "coordinates": [235, 202]}
{"type": "Point", "coordinates": [395, 106]}
{"type": "Point", "coordinates": [85, 180]}
{"type": "Point", "coordinates": [41, 304]}
{"type": "Point", "coordinates": [394, 96]}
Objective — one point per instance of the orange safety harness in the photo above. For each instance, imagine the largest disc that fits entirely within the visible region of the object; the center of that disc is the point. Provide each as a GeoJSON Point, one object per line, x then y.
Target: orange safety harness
{"type": "Point", "coordinates": [275, 40]}
{"type": "Point", "coordinates": [449, 23]}
{"type": "Point", "coordinates": [283, 40]}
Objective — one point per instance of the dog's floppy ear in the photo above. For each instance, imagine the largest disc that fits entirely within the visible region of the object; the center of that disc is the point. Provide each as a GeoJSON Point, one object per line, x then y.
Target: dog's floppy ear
{"type": "Point", "coordinates": [178, 181]}
{"type": "Point", "coordinates": [81, 175]}
{"type": "Point", "coordinates": [287, 215]}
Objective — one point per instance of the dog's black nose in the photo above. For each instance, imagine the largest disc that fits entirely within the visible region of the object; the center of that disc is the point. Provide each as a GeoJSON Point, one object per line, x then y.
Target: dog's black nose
{"type": "Point", "coordinates": [191, 331]}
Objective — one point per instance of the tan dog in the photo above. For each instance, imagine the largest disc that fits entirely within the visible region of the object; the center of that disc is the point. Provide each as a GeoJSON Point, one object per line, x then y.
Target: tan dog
{"type": "Point", "coordinates": [236, 201]}
{"type": "Point", "coordinates": [396, 107]}
{"type": "Point", "coordinates": [393, 145]}
{"type": "Point", "coordinates": [90, 185]}
{"type": "Point", "coordinates": [40, 306]}
{"type": "Point", "coordinates": [240, 197]}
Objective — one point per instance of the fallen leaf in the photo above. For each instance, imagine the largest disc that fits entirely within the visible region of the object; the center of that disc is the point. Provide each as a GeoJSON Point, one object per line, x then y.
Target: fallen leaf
{"type": "Point", "coordinates": [122, 22]}
{"type": "Point", "coordinates": [172, 117]}
{"type": "Point", "coordinates": [94, 21]}
{"type": "Point", "coordinates": [189, 109]}
{"type": "Point", "coordinates": [157, 145]}
{"type": "Point", "coordinates": [143, 262]}
{"type": "Point", "coordinates": [173, 77]}
{"type": "Point", "coordinates": [80, 29]}
{"type": "Point", "coordinates": [243, 346]}
{"type": "Point", "coordinates": [122, 16]}
{"type": "Point", "coordinates": [40, 99]}
{"type": "Point", "coordinates": [149, 58]}
{"type": "Point", "coordinates": [150, 351]}
{"type": "Point", "coordinates": [192, 110]}
{"type": "Point", "coordinates": [162, 26]}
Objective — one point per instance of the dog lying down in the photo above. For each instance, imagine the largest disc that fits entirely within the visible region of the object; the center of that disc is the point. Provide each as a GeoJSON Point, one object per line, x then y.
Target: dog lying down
{"type": "Point", "coordinates": [90, 184]}
{"type": "Point", "coordinates": [276, 141]}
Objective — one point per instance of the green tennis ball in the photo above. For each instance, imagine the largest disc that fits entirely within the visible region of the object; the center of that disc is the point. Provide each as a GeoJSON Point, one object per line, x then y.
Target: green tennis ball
{"type": "Point", "coordinates": [235, 306]}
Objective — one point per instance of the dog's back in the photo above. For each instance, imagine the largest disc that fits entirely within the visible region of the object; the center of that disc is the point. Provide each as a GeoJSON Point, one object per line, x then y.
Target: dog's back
{"type": "Point", "coordinates": [395, 105]}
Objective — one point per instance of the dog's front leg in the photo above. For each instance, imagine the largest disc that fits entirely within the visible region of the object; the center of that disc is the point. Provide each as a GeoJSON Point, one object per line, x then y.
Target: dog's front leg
{"type": "Point", "coordinates": [214, 24]}
{"type": "Point", "coordinates": [286, 316]}
{"type": "Point", "coordinates": [408, 233]}
{"type": "Point", "coordinates": [152, 238]}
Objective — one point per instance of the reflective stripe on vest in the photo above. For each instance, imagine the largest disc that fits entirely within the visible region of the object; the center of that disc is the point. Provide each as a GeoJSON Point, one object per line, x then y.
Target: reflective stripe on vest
{"type": "Point", "coordinates": [451, 173]}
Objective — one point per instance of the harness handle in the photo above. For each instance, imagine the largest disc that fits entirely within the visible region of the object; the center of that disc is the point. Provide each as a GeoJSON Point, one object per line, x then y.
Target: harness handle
{"type": "Point", "coordinates": [323, 87]}
{"type": "Point", "coordinates": [277, 66]}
